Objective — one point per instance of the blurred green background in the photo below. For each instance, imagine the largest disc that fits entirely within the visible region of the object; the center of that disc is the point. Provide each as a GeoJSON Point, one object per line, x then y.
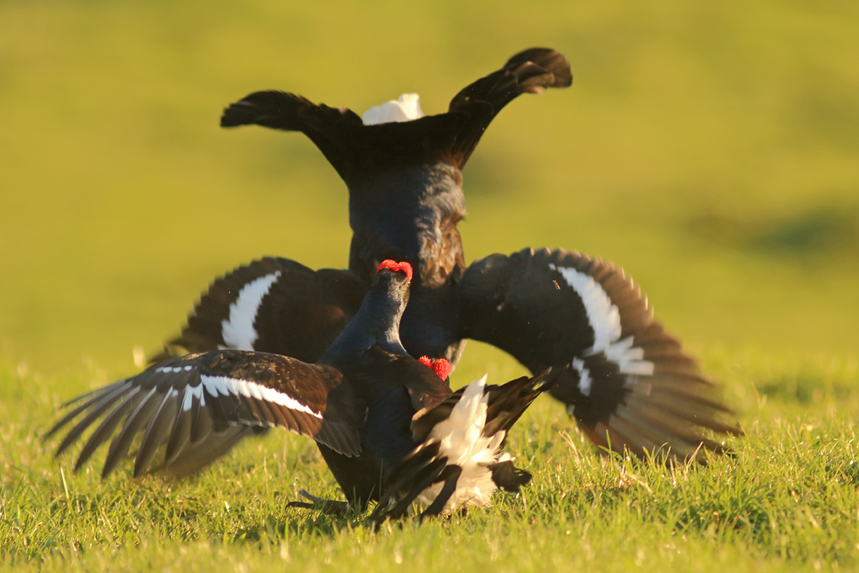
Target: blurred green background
{"type": "Point", "coordinates": [712, 149]}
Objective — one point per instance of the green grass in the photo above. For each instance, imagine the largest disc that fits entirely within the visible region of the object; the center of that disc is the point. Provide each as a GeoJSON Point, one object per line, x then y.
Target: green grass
{"type": "Point", "coordinates": [710, 148]}
{"type": "Point", "coordinates": [788, 500]}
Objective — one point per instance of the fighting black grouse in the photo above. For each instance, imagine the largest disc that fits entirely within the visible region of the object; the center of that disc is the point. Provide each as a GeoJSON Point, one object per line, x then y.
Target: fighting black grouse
{"type": "Point", "coordinates": [389, 427]}
{"type": "Point", "coordinates": [629, 384]}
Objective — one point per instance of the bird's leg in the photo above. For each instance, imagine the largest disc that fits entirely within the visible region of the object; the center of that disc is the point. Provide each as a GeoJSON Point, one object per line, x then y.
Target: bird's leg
{"type": "Point", "coordinates": [450, 475]}
{"type": "Point", "coordinates": [424, 479]}
{"type": "Point", "coordinates": [328, 506]}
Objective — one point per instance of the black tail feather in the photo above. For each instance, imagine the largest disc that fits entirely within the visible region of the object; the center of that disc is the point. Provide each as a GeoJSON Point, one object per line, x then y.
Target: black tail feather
{"type": "Point", "coordinates": [508, 477]}
{"type": "Point", "coordinates": [352, 147]}
{"type": "Point", "coordinates": [418, 473]}
{"type": "Point", "coordinates": [530, 71]}
{"type": "Point", "coordinates": [449, 476]}
{"type": "Point", "coordinates": [327, 127]}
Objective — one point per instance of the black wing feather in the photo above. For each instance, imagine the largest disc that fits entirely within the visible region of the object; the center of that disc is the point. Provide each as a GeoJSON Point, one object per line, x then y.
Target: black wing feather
{"type": "Point", "coordinates": [155, 434]}
{"type": "Point", "coordinates": [98, 404]}
{"type": "Point", "coordinates": [629, 385]}
{"type": "Point", "coordinates": [300, 315]}
{"type": "Point", "coordinates": [135, 421]}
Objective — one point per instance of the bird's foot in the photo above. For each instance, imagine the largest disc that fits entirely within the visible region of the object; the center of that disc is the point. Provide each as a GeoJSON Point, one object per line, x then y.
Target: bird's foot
{"type": "Point", "coordinates": [328, 506]}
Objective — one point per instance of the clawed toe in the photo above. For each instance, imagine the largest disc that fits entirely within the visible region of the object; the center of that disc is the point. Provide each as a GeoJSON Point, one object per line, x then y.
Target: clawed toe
{"type": "Point", "coordinates": [327, 506]}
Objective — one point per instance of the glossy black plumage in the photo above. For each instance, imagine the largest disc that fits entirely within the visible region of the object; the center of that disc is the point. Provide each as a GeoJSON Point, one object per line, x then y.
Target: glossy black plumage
{"type": "Point", "coordinates": [302, 301]}
{"type": "Point", "coordinates": [366, 402]}
{"type": "Point", "coordinates": [629, 384]}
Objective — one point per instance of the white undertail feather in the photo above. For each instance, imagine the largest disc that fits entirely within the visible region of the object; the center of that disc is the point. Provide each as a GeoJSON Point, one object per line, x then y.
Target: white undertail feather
{"type": "Point", "coordinates": [406, 108]}
{"type": "Point", "coordinates": [464, 446]}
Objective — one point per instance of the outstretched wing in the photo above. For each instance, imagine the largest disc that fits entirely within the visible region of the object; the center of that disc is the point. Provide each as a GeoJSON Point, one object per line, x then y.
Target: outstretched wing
{"type": "Point", "coordinates": [272, 305]}
{"type": "Point", "coordinates": [629, 385]}
{"type": "Point", "coordinates": [200, 405]}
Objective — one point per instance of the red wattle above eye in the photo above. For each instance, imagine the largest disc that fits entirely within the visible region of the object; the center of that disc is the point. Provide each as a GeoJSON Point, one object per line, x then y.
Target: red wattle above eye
{"type": "Point", "coordinates": [395, 266]}
{"type": "Point", "coordinates": [441, 366]}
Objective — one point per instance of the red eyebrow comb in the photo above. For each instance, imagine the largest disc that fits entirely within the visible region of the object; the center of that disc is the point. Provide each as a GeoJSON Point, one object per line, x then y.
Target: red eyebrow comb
{"type": "Point", "coordinates": [395, 266]}
{"type": "Point", "coordinates": [441, 366]}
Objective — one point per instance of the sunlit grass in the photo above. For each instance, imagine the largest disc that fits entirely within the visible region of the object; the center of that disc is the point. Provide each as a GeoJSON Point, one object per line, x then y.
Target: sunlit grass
{"type": "Point", "coordinates": [708, 148]}
{"type": "Point", "coordinates": [787, 500]}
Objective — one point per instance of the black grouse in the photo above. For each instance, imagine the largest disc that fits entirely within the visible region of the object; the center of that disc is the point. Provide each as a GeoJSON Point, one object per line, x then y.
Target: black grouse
{"type": "Point", "coordinates": [389, 427]}
{"type": "Point", "coordinates": [629, 384]}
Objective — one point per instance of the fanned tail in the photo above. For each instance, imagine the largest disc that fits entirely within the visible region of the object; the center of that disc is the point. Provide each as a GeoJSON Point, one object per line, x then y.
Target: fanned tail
{"type": "Point", "coordinates": [355, 149]}
{"type": "Point", "coordinates": [460, 461]}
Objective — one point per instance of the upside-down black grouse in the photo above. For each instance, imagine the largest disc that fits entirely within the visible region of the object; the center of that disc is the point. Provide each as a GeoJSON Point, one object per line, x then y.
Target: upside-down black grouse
{"type": "Point", "coordinates": [389, 428]}
{"type": "Point", "coordinates": [629, 385]}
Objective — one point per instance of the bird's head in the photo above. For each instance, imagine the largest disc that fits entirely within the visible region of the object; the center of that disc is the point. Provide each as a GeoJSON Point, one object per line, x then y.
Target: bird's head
{"type": "Point", "coordinates": [393, 278]}
{"type": "Point", "coordinates": [377, 322]}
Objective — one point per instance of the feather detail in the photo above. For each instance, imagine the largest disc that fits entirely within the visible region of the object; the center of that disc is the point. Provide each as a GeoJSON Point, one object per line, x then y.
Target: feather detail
{"type": "Point", "coordinates": [462, 442]}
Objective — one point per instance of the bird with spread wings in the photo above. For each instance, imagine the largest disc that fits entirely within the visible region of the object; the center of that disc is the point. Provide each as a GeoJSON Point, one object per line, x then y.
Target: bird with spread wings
{"type": "Point", "coordinates": [627, 382]}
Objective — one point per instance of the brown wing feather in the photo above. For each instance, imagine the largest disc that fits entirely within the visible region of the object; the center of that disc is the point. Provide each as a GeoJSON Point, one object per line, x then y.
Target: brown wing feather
{"type": "Point", "coordinates": [194, 404]}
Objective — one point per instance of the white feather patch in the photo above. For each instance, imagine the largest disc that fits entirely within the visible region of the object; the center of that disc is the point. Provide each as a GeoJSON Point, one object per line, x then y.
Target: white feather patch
{"type": "Point", "coordinates": [629, 358]}
{"type": "Point", "coordinates": [584, 376]}
{"type": "Point", "coordinates": [238, 331]}
{"type": "Point", "coordinates": [604, 319]}
{"type": "Point", "coordinates": [406, 108]}
{"type": "Point", "coordinates": [169, 369]}
{"type": "Point", "coordinates": [192, 393]}
{"type": "Point", "coordinates": [464, 446]}
{"type": "Point", "coordinates": [224, 386]}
